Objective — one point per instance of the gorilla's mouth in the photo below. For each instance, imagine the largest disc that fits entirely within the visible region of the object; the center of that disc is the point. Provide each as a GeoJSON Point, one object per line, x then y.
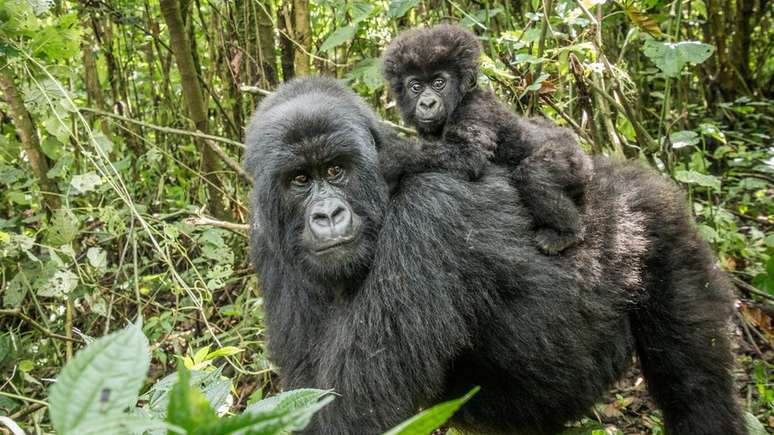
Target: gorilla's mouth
{"type": "Point", "coordinates": [332, 245]}
{"type": "Point", "coordinates": [428, 120]}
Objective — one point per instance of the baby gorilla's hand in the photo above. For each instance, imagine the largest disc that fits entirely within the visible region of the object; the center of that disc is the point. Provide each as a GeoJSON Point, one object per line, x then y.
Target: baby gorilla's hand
{"type": "Point", "coordinates": [552, 242]}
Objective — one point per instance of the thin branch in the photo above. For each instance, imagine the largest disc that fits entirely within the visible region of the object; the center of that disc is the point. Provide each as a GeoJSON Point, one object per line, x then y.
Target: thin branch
{"type": "Point", "coordinates": [750, 289]}
{"type": "Point", "coordinates": [231, 163]}
{"type": "Point", "coordinates": [164, 129]}
{"type": "Point", "coordinates": [204, 220]}
{"type": "Point", "coordinates": [36, 325]}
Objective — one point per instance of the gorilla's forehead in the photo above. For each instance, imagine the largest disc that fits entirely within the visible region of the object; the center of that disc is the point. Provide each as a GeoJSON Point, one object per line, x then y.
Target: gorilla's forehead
{"type": "Point", "coordinates": [310, 129]}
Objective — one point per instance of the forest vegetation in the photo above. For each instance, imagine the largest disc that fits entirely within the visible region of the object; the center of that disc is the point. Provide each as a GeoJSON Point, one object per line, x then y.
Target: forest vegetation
{"type": "Point", "coordinates": [122, 195]}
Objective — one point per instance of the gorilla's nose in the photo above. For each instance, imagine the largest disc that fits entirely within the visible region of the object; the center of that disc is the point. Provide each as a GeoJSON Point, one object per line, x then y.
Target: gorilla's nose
{"type": "Point", "coordinates": [330, 219]}
{"type": "Point", "coordinates": [427, 104]}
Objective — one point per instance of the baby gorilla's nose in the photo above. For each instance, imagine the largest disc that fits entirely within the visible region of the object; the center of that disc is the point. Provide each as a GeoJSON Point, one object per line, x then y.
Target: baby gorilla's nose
{"type": "Point", "coordinates": [330, 219]}
{"type": "Point", "coordinates": [427, 103]}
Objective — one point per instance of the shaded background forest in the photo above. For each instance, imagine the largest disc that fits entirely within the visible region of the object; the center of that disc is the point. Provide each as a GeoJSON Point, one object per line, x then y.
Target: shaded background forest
{"type": "Point", "coordinates": [121, 128]}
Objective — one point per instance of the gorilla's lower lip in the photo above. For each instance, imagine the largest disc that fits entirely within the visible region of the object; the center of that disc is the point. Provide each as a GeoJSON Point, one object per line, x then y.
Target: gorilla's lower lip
{"type": "Point", "coordinates": [333, 244]}
{"type": "Point", "coordinates": [427, 120]}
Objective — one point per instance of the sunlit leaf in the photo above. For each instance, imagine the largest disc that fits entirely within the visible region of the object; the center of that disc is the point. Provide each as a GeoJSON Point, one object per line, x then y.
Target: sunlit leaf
{"type": "Point", "coordinates": [698, 179]}
{"type": "Point", "coordinates": [340, 36]}
{"type": "Point", "coordinates": [85, 182]}
{"type": "Point", "coordinates": [429, 420]}
{"type": "Point", "coordinates": [684, 138]}
{"type": "Point", "coordinates": [670, 57]}
{"type": "Point", "coordinates": [398, 8]}
{"type": "Point", "coordinates": [102, 380]}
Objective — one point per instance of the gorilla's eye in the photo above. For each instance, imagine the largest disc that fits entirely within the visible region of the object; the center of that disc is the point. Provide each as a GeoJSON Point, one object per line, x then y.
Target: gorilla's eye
{"type": "Point", "coordinates": [301, 179]}
{"type": "Point", "coordinates": [415, 87]}
{"type": "Point", "coordinates": [335, 171]}
{"type": "Point", "coordinates": [439, 83]}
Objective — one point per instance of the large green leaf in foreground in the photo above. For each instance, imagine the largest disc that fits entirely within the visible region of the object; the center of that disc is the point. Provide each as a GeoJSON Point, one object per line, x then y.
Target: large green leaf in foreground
{"type": "Point", "coordinates": [429, 420]}
{"type": "Point", "coordinates": [102, 380]}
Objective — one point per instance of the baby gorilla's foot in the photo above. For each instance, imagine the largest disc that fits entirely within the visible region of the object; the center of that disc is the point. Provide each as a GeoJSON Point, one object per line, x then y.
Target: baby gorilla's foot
{"type": "Point", "coordinates": [552, 242]}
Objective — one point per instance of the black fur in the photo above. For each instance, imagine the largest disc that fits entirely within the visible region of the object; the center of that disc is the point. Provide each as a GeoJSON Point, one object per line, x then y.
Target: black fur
{"type": "Point", "coordinates": [474, 128]}
{"type": "Point", "coordinates": [449, 291]}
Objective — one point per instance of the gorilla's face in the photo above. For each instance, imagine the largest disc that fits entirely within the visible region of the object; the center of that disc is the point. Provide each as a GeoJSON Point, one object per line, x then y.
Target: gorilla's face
{"type": "Point", "coordinates": [320, 197]}
{"type": "Point", "coordinates": [427, 100]}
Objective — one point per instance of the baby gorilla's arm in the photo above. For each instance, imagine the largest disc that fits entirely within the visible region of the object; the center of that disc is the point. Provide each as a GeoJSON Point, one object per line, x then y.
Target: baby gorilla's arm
{"type": "Point", "coordinates": [552, 181]}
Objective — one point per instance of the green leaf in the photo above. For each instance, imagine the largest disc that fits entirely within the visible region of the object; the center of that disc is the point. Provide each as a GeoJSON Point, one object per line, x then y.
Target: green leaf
{"type": "Point", "coordinates": [277, 419]}
{"type": "Point", "coordinates": [695, 178]}
{"type": "Point", "coordinates": [102, 380]}
{"type": "Point", "coordinates": [84, 183]}
{"type": "Point", "coordinates": [429, 420]}
{"type": "Point", "coordinates": [754, 426]}
{"type": "Point", "coordinates": [188, 407]}
{"type": "Point", "coordinates": [398, 8]}
{"type": "Point", "coordinates": [361, 10]}
{"type": "Point", "coordinates": [58, 285]}
{"type": "Point", "coordinates": [339, 37]}
{"type": "Point", "coordinates": [369, 72]}
{"type": "Point", "coordinates": [289, 400]}
{"type": "Point", "coordinates": [684, 138]}
{"type": "Point", "coordinates": [15, 290]}
{"type": "Point", "coordinates": [63, 228]}
{"type": "Point", "coordinates": [123, 424]}
{"type": "Point", "coordinates": [224, 351]}
{"type": "Point", "coordinates": [58, 42]}
{"type": "Point", "coordinates": [671, 57]}
{"type": "Point", "coordinates": [97, 257]}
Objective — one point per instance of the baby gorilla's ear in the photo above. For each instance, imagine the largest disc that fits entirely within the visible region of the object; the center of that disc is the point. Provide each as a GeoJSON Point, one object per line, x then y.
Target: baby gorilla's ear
{"type": "Point", "coordinates": [469, 82]}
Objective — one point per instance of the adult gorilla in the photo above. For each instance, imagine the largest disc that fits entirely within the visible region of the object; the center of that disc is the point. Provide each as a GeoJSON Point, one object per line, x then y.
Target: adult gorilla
{"type": "Point", "coordinates": [399, 302]}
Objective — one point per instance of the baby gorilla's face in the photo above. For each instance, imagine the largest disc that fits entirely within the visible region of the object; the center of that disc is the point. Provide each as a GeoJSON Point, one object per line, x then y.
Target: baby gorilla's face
{"type": "Point", "coordinates": [427, 100]}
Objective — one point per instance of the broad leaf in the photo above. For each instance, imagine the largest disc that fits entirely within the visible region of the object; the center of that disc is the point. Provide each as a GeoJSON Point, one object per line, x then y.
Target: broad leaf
{"type": "Point", "coordinates": [671, 57]}
{"type": "Point", "coordinates": [188, 407]}
{"type": "Point", "coordinates": [684, 138]}
{"type": "Point", "coordinates": [369, 72]}
{"type": "Point", "coordinates": [58, 284]}
{"type": "Point", "coordinates": [429, 420]}
{"type": "Point", "coordinates": [123, 424]}
{"type": "Point", "coordinates": [695, 178]}
{"type": "Point", "coordinates": [63, 228]}
{"type": "Point", "coordinates": [339, 37]}
{"type": "Point", "coordinates": [85, 182]}
{"type": "Point", "coordinates": [102, 380]}
{"type": "Point", "coordinates": [398, 8]}
{"type": "Point", "coordinates": [754, 426]}
{"type": "Point", "coordinates": [280, 419]}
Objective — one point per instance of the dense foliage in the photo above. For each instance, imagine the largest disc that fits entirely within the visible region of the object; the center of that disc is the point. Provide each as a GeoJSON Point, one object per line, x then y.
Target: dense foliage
{"type": "Point", "coordinates": [121, 195]}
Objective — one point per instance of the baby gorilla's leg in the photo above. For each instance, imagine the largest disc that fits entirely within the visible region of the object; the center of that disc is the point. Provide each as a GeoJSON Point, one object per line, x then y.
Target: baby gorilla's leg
{"type": "Point", "coordinates": [552, 184]}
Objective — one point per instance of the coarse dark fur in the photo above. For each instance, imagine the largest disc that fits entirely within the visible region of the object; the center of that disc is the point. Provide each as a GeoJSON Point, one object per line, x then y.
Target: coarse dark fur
{"type": "Point", "coordinates": [470, 127]}
{"type": "Point", "coordinates": [449, 292]}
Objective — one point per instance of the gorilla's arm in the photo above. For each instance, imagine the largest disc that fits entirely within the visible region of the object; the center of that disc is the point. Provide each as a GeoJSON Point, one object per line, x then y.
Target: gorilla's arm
{"type": "Point", "coordinates": [389, 346]}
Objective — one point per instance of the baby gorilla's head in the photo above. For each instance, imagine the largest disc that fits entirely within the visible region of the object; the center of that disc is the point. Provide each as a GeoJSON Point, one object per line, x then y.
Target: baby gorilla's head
{"type": "Point", "coordinates": [430, 71]}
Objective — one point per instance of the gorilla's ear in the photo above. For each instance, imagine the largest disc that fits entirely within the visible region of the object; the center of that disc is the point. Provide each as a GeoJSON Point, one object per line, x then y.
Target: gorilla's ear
{"type": "Point", "coordinates": [468, 81]}
{"type": "Point", "coordinates": [377, 134]}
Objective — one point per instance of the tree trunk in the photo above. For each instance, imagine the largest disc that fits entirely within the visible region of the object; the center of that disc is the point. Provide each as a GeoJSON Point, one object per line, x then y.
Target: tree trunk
{"type": "Point", "coordinates": [194, 99]}
{"type": "Point", "coordinates": [302, 36]}
{"type": "Point", "coordinates": [266, 46]}
{"type": "Point", "coordinates": [740, 45]}
{"type": "Point", "coordinates": [29, 140]}
{"type": "Point", "coordinates": [287, 49]}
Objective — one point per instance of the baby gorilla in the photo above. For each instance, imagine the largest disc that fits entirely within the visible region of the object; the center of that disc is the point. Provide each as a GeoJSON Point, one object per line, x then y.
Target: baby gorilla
{"type": "Point", "coordinates": [433, 72]}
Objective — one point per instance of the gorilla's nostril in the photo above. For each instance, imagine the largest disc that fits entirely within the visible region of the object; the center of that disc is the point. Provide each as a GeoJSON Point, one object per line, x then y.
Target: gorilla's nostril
{"type": "Point", "coordinates": [339, 215]}
{"type": "Point", "coordinates": [427, 104]}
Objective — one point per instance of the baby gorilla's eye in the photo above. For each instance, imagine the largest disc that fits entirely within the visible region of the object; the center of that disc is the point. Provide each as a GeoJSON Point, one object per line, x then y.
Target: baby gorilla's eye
{"type": "Point", "coordinates": [415, 87]}
{"type": "Point", "coordinates": [301, 179]}
{"type": "Point", "coordinates": [439, 83]}
{"type": "Point", "coordinates": [335, 171]}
